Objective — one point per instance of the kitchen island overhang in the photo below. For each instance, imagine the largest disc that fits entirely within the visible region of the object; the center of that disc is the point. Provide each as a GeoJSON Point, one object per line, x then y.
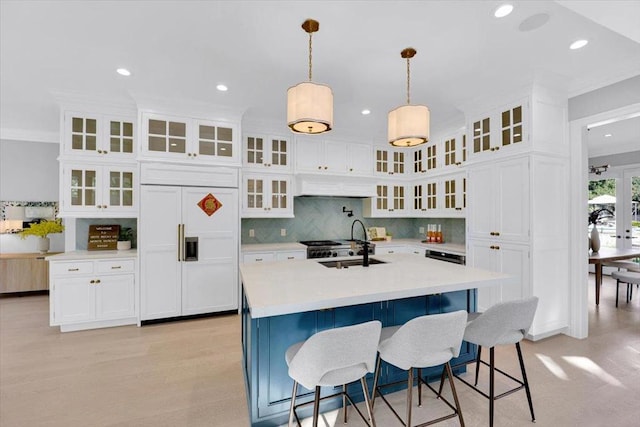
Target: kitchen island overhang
{"type": "Point", "coordinates": [285, 302]}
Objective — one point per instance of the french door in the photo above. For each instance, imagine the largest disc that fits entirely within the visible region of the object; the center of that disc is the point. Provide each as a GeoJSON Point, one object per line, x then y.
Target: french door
{"type": "Point", "coordinates": [628, 210]}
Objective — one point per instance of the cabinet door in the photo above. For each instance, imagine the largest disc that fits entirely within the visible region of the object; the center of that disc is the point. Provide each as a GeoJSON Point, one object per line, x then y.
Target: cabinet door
{"type": "Point", "coordinates": [118, 192]}
{"type": "Point", "coordinates": [281, 199]}
{"type": "Point", "coordinates": [359, 158]}
{"type": "Point", "coordinates": [453, 190]}
{"type": "Point", "coordinates": [160, 289]}
{"type": "Point", "coordinates": [115, 297]}
{"type": "Point", "coordinates": [81, 191]}
{"type": "Point", "coordinates": [118, 139]}
{"type": "Point", "coordinates": [82, 133]}
{"type": "Point", "coordinates": [398, 162]}
{"type": "Point", "coordinates": [512, 200]}
{"type": "Point", "coordinates": [210, 282]}
{"type": "Point", "coordinates": [504, 257]}
{"type": "Point", "coordinates": [335, 157]}
{"type": "Point", "coordinates": [73, 300]}
{"type": "Point", "coordinates": [399, 200]}
{"type": "Point", "coordinates": [381, 161]}
{"type": "Point", "coordinates": [254, 200]}
{"type": "Point", "coordinates": [215, 142]}
{"type": "Point", "coordinates": [309, 155]}
{"type": "Point", "coordinates": [482, 193]}
{"type": "Point", "coordinates": [278, 153]}
{"type": "Point", "coordinates": [164, 136]}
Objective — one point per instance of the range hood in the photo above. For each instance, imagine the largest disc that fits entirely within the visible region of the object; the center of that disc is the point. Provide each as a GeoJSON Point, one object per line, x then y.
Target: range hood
{"type": "Point", "coordinates": [315, 185]}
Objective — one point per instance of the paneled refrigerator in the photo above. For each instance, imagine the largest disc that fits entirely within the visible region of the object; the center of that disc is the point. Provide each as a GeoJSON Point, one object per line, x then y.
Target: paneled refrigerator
{"type": "Point", "coordinates": [188, 250]}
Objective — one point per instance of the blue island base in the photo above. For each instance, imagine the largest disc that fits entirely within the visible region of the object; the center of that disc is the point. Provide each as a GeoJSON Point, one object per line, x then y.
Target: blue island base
{"type": "Point", "coordinates": [265, 341]}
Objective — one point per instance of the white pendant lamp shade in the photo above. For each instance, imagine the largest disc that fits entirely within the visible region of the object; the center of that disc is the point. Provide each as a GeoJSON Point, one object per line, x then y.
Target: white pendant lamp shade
{"type": "Point", "coordinates": [408, 126]}
{"type": "Point", "coordinates": [310, 108]}
{"type": "Point", "coordinates": [310, 105]}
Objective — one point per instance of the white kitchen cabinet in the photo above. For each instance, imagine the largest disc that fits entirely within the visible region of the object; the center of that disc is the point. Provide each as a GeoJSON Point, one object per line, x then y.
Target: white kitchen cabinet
{"type": "Point", "coordinates": [454, 195]}
{"type": "Point", "coordinates": [332, 157]}
{"type": "Point", "coordinates": [390, 162]}
{"type": "Point", "coordinates": [99, 136]}
{"type": "Point", "coordinates": [392, 249]}
{"type": "Point", "coordinates": [267, 153]}
{"type": "Point", "coordinates": [266, 195]}
{"type": "Point", "coordinates": [188, 250]}
{"type": "Point", "coordinates": [498, 198]}
{"type": "Point", "coordinates": [273, 256]}
{"type": "Point", "coordinates": [392, 200]}
{"type": "Point", "coordinates": [504, 257]}
{"type": "Point", "coordinates": [98, 190]}
{"type": "Point", "coordinates": [425, 159]}
{"type": "Point", "coordinates": [443, 196]}
{"type": "Point", "coordinates": [92, 293]}
{"type": "Point", "coordinates": [452, 151]}
{"type": "Point", "coordinates": [501, 131]}
{"type": "Point", "coordinates": [191, 140]}
{"type": "Point", "coordinates": [290, 255]}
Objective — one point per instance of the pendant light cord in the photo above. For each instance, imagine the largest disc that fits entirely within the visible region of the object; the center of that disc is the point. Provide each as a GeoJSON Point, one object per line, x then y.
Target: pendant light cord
{"type": "Point", "coordinates": [408, 80]}
{"type": "Point", "coordinates": [310, 56]}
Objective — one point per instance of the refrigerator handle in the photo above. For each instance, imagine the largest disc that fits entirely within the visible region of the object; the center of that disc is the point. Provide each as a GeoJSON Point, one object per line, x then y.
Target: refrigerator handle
{"type": "Point", "coordinates": [180, 242]}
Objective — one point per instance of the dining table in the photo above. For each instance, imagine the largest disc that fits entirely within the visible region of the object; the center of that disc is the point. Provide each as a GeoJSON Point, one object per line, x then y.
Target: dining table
{"type": "Point", "coordinates": [609, 254]}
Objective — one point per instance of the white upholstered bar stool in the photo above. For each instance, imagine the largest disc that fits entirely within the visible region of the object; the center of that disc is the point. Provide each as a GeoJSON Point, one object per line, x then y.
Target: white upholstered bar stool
{"type": "Point", "coordinates": [502, 324]}
{"type": "Point", "coordinates": [630, 278]}
{"type": "Point", "coordinates": [332, 358]}
{"type": "Point", "coordinates": [627, 265]}
{"type": "Point", "coordinates": [422, 342]}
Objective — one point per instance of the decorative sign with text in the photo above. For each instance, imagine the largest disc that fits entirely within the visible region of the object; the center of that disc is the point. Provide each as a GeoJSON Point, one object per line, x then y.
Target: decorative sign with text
{"type": "Point", "coordinates": [103, 237]}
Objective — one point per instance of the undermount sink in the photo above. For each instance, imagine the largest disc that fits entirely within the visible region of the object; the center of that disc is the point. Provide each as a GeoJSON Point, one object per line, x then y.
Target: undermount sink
{"type": "Point", "coordinates": [349, 263]}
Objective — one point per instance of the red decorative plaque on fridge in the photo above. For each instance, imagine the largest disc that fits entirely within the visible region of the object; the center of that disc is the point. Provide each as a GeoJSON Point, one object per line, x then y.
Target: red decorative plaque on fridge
{"type": "Point", "coordinates": [209, 204]}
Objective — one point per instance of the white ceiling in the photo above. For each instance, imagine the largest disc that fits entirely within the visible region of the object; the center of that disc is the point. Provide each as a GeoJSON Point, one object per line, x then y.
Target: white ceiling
{"type": "Point", "coordinates": [182, 49]}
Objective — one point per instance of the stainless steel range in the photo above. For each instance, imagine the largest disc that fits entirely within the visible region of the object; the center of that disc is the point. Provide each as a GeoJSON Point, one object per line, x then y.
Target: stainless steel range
{"type": "Point", "coordinates": [336, 248]}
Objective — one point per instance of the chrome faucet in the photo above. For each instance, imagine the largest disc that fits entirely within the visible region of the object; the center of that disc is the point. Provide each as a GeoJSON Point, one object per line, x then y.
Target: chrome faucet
{"type": "Point", "coordinates": [365, 243]}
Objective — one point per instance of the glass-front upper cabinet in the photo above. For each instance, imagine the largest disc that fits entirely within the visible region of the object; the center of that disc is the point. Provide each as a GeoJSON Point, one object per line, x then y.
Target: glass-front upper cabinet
{"type": "Point", "coordinates": [267, 153]}
{"type": "Point", "coordinates": [389, 162]}
{"type": "Point", "coordinates": [98, 136]}
{"type": "Point", "coordinates": [189, 140]}
{"type": "Point", "coordinates": [96, 190]}
{"type": "Point", "coordinates": [502, 128]}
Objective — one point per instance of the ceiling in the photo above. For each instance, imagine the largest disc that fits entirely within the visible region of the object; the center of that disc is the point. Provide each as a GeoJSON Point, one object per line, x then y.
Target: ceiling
{"type": "Point", "coordinates": [182, 49]}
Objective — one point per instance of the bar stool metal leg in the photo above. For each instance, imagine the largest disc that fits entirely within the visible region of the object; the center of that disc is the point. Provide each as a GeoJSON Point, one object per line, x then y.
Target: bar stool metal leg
{"type": "Point", "coordinates": [525, 381]}
{"type": "Point", "coordinates": [478, 364]}
{"type": "Point", "coordinates": [367, 402]}
{"type": "Point", "coordinates": [492, 390]}
{"type": "Point", "coordinates": [409, 394]}
{"type": "Point", "coordinates": [316, 407]}
{"type": "Point", "coordinates": [344, 402]}
{"type": "Point", "coordinates": [293, 403]}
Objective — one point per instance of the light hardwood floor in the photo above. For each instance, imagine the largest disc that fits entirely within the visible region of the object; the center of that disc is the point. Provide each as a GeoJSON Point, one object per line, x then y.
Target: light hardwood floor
{"type": "Point", "coordinates": [188, 374]}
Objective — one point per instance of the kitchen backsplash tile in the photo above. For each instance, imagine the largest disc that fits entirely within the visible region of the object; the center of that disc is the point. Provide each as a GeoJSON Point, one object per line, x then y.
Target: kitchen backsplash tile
{"type": "Point", "coordinates": [322, 218]}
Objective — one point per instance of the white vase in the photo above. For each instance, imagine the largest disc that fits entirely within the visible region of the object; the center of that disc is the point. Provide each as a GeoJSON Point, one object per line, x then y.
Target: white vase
{"type": "Point", "coordinates": [124, 245]}
{"type": "Point", "coordinates": [43, 245]}
{"type": "Point", "coordinates": [595, 239]}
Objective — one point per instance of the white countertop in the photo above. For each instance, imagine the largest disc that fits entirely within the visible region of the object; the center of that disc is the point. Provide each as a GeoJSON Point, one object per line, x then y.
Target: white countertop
{"type": "Point", "coordinates": [453, 248]}
{"type": "Point", "coordinates": [294, 286]}
{"type": "Point", "coordinates": [270, 247]}
{"type": "Point", "coordinates": [80, 255]}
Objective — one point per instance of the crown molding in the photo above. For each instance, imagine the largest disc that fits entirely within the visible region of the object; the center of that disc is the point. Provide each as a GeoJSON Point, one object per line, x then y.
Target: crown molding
{"type": "Point", "coordinates": [26, 135]}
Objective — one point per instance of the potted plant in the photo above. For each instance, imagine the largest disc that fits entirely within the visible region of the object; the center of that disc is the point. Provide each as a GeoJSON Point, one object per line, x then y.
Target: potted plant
{"type": "Point", "coordinates": [124, 238]}
{"type": "Point", "coordinates": [42, 230]}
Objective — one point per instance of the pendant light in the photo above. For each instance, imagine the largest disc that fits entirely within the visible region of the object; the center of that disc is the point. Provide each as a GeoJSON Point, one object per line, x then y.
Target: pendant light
{"type": "Point", "coordinates": [310, 105]}
{"type": "Point", "coordinates": [408, 125]}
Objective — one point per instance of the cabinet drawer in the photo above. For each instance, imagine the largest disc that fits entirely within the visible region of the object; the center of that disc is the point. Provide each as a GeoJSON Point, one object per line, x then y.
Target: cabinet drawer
{"type": "Point", "coordinates": [71, 268]}
{"type": "Point", "coordinates": [116, 266]}
{"type": "Point", "coordinates": [258, 257]}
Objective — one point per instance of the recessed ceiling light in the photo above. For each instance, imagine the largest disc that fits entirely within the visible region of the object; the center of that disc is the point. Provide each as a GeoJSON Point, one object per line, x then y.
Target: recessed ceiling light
{"type": "Point", "coordinates": [222, 88]}
{"type": "Point", "coordinates": [366, 112]}
{"type": "Point", "coordinates": [578, 44]}
{"type": "Point", "coordinates": [503, 11]}
{"type": "Point", "coordinates": [607, 135]}
{"type": "Point", "coordinates": [123, 72]}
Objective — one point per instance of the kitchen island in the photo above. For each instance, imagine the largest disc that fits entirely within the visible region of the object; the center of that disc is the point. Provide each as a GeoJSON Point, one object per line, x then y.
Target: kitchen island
{"type": "Point", "coordinates": [285, 302]}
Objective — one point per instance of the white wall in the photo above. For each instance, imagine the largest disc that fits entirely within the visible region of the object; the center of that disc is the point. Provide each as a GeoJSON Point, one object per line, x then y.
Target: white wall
{"type": "Point", "coordinates": [28, 173]}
